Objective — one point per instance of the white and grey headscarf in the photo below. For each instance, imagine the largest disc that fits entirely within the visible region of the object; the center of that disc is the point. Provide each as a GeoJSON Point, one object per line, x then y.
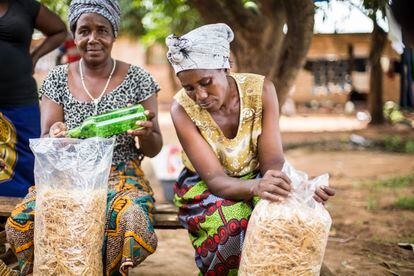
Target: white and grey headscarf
{"type": "Point", "coordinates": [107, 8]}
{"type": "Point", "coordinates": [207, 47]}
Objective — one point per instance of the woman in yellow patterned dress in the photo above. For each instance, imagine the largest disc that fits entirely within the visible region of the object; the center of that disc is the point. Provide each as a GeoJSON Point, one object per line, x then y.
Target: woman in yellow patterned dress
{"type": "Point", "coordinates": [228, 126]}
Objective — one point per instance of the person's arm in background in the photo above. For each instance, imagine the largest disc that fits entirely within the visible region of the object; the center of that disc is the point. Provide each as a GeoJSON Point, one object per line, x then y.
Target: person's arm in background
{"type": "Point", "coordinates": [53, 28]}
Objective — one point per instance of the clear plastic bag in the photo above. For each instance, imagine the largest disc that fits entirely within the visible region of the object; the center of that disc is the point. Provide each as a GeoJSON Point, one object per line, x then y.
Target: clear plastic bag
{"type": "Point", "coordinates": [288, 238]}
{"type": "Point", "coordinates": [71, 179]}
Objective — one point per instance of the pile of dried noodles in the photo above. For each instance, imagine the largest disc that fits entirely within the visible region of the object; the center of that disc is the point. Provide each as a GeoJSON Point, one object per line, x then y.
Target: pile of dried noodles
{"type": "Point", "coordinates": [69, 232]}
{"type": "Point", "coordinates": [285, 245]}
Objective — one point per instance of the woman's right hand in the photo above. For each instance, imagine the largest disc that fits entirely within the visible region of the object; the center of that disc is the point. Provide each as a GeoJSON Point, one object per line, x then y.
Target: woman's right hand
{"type": "Point", "coordinates": [58, 130]}
{"type": "Point", "coordinates": [274, 186]}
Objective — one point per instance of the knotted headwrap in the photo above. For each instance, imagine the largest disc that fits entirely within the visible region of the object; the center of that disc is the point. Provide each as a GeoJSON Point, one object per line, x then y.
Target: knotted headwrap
{"type": "Point", "coordinates": [107, 8]}
{"type": "Point", "coordinates": [207, 47]}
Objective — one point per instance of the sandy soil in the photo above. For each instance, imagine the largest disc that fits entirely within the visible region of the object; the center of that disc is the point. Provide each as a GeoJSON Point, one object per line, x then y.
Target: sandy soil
{"type": "Point", "coordinates": [365, 230]}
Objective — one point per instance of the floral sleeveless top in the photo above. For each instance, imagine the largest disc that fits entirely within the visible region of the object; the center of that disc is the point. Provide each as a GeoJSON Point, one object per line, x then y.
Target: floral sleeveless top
{"type": "Point", "coordinates": [238, 155]}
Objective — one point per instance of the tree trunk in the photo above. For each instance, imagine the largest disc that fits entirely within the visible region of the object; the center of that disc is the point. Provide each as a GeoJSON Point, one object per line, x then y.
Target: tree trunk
{"type": "Point", "coordinates": [260, 45]}
{"type": "Point", "coordinates": [375, 101]}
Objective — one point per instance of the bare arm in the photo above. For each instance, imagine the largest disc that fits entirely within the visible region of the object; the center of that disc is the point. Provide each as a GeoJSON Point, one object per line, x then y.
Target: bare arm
{"type": "Point", "coordinates": [52, 118]}
{"type": "Point", "coordinates": [53, 28]}
{"type": "Point", "coordinates": [270, 141]}
{"type": "Point", "coordinates": [205, 161]}
{"type": "Point", "coordinates": [149, 137]}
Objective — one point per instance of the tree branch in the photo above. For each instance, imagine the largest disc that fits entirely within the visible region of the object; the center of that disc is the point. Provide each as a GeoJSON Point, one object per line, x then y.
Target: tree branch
{"type": "Point", "coordinates": [275, 16]}
{"type": "Point", "coordinates": [269, 7]}
{"type": "Point", "coordinates": [294, 50]}
{"type": "Point", "coordinates": [245, 18]}
{"type": "Point", "coordinates": [213, 11]}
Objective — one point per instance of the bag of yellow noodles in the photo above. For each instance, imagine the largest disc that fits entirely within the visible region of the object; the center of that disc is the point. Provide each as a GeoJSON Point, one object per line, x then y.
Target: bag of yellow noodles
{"type": "Point", "coordinates": [288, 238]}
{"type": "Point", "coordinates": [71, 179]}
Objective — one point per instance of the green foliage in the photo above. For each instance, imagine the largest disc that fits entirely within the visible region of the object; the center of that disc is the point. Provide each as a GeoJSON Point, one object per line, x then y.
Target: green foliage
{"type": "Point", "coordinates": [154, 20]}
{"type": "Point", "coordinates": [409, 146]}
{"type": "Point", "coordinates": [149, 20]}
{"type": "Point", "coordinates": [132, 13]}
{"type": "Point", "coordinates": [398, 144]}
{"type": "Point", "coordinates": [397, 186]}
{"type": "Point", "coordinates": [393, 113]}
{"type": "Point", "coordinates": [395, 143]}
{"type": "Point", "coordinates": [251, 5]}
{"type": "Point", "coordinates": [372, 203]}
{"type": "Point", "coordinates": [394, 182]}
{"type": "Point", "coordinates": [58, 6]}
{"type": "Point", "coordinates": [405, 203]}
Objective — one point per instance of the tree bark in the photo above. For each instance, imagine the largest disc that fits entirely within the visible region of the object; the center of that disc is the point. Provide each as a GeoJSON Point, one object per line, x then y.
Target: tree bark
{"type": "Point", "coordinates": [375, 97]}
{"type": "Point", "coordinates": [260, 45]}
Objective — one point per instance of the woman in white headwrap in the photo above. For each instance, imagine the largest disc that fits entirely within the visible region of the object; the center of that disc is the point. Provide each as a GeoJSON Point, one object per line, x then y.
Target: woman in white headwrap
{"type": "Point", "coordinates": [94, 85]}
{"type": "Point", "coordinates": [228, 126]}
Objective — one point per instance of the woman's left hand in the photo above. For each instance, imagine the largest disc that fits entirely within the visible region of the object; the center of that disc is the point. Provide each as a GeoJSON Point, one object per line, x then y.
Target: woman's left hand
{"type": "Point", "coordinates": [323, 193]}
{"type": "Point", "coordinates": [146, 127]}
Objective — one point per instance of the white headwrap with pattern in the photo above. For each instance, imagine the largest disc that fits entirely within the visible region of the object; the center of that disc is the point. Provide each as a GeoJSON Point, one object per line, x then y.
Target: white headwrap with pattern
{"type": "Point", "coordinates": [107, 8]}
{"type": "Point", "coordinates": [207, 47]}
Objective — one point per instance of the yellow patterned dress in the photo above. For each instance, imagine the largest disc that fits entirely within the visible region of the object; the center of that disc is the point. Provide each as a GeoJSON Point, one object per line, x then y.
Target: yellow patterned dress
{"type": "Point", "coordinates": [216, 225]}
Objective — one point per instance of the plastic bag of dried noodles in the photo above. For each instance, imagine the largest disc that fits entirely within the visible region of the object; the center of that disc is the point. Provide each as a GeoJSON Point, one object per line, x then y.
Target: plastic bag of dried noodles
{"type": "Point", "coordinates": [289, 237]}
{"type": "Point", "coordinates": [71, 177]}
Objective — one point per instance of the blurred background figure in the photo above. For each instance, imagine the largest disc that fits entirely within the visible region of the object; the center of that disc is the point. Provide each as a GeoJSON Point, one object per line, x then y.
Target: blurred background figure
{"type": "Point", "coordinates": [403, 12]}
{"type": "Point", "coordinates": [67, 51]}
{"type": "Point", "coordinates": [19, 104]}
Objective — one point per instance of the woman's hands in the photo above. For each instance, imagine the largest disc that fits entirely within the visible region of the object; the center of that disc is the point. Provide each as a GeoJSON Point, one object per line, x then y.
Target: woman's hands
{"type": "Point", "coordinates": [323, 193]}
{"type": "Point", "coordinates": [58, 130]}
{"type": "Point", "coordinates": [274, 186]}
{"type": "Point", "coordinates": [146, 127]}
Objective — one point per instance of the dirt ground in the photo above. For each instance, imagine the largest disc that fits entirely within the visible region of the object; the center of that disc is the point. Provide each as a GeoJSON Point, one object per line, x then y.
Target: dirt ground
{"type": "Point", "coordinates": [366, 227]}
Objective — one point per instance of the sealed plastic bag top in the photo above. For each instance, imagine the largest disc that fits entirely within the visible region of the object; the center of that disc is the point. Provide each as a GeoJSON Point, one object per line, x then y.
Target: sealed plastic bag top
{"type": "Point", "coordinates": [289, 237]}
